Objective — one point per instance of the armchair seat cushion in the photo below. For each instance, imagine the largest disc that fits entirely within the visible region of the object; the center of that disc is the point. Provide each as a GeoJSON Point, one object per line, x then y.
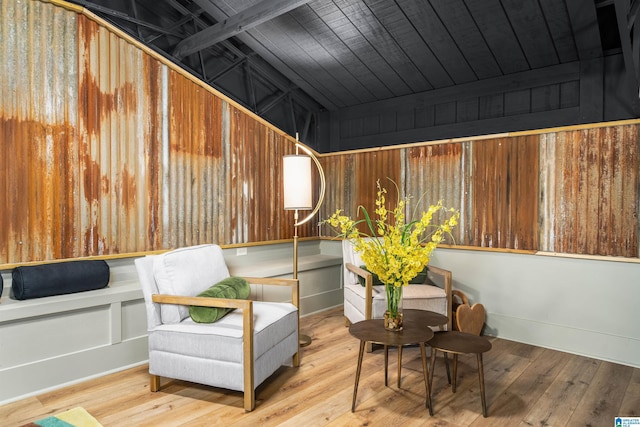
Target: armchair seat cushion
{"type": "Point", "coordinates": [420, 297]}
{"type": "Point", "coordinates": [222, 340]}
{"type": "Point", "coordinates": [214, 351]}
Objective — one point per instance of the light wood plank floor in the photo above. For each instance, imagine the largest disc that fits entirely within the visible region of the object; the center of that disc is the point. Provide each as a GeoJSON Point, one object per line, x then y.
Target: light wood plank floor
{"type": "Point", "coordinates": [526, 386]}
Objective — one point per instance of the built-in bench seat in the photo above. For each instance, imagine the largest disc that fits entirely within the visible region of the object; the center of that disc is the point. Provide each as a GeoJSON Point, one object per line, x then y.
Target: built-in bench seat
{"type": "Point", "coordinates": [57, 340]}
{"type": "Point", "coordinates": [54, 341]}
{"type": "Point", "coordinates": [11, 309]}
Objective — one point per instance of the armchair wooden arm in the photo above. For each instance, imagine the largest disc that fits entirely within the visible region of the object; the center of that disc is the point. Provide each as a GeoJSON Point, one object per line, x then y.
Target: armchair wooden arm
{"type": "Point", "coordinates": [294, 284]}
{"type": "Point", "coordinates": [448, 285]}
{"type": "Point", "coordinates": [201, 301]}
{"type": "Point", "coordinates": [368, 288]}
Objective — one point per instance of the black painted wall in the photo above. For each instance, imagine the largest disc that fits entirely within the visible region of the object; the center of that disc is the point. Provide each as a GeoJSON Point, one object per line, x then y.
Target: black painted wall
{"type": "Point", "coordinates": [579, 92]}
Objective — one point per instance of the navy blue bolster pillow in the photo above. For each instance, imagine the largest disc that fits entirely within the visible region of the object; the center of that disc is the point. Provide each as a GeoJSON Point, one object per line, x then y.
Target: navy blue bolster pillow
{"type": "Point", "coordinates": [59, 278]}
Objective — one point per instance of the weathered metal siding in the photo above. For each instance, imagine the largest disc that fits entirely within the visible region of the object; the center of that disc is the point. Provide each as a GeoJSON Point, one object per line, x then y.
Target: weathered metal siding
{"type": "Point", "coordinates": [118, 112]}
{"type": "Point", "coordinates": [571, 192]}
{"type": "Point", "coordinates": [107, 150]}
{"type": "Point", "coordinates": [493, 182]}
{"type": "Point", "coordinates": [78, 107]}
{"type": "Point", "coordinates": [441, 172]}
{"type": "Point", "coordinates": [505, 193]}
{"type": "Point", "coordinates": [195, 162]}
{"type": "Point", "coordinates": [38, 134]}
{"type": "Point", "coordinates": [255, 200]}
{"type": "Point", "coordinates": [591, 200]}
{"type": "Point", "coordinates": [351, 181]}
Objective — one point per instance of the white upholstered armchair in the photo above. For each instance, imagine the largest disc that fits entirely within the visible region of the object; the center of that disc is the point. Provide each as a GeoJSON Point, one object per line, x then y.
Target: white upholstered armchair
{"type": "Point", "coordinates": [238, 351]}
{"type": "Point", "coordinates": [369, 302]}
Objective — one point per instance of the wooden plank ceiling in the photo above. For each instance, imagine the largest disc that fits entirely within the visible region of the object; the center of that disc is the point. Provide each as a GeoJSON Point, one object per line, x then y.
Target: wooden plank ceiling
{"type": "Point", "coordinates": [305, 56]}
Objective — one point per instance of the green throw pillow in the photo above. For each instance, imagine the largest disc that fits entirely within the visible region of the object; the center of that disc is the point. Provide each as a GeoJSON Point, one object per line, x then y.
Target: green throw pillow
{"type": "Point", "coordinates": [420, 277]}
{"type": "Point", "coordinates": [230, 288]}
{"type": "Point", "coordinates": [375, 279]}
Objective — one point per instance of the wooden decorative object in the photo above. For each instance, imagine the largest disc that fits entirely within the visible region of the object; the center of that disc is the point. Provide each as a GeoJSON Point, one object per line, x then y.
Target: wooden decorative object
{"type": "Point", "coordinates": [469, 319]}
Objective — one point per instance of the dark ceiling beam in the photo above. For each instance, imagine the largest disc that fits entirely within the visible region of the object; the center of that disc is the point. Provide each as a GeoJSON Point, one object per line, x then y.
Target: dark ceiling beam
{"type": "Point", "coordinates": [306, 126]}
{"type": "Point", "coordinates": [631, 61]}
{"type": "Point", "coordinates": [584, 22]}
{"type": "Point", "coordinates": [134, 8]}
{"type": "Point", "coordinates": [228, 69]}
{"type": "Point", "coordinates": [271, 102]}
{"type": "Point", "coordinates": [123, 16]}
{"type": "Point", "coordinates": [199, 22]}
{"type": "Point", "coordinates": [254, 43]}
{"type": "Point", "coordinates": [292, 116]}
{"type": "Point", "coordinates": [251, 91]}
{"type": "Point", "coordinates": [633, 13]}
{"type": "Point", "coordinates": [177, 24]}
{"type": "Point", "coordinates": [234, 25]}
{"type": "Point", "coordinates": [265, 74]}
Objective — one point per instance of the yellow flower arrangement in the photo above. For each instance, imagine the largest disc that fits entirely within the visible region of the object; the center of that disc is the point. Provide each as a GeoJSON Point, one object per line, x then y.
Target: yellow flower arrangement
{"type": "Point", "coordinates": [400, 250]}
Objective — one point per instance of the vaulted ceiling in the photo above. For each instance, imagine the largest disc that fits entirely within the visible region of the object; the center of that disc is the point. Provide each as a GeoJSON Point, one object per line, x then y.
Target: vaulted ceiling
{"type": "Point", "coordinates": [289, 60]}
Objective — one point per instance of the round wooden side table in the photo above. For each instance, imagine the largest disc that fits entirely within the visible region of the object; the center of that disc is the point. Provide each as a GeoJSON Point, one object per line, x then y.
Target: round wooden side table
{"type": "Point", "coordinates": [455, 342]}
{"type": "Point", "coordinates": [416, 331]}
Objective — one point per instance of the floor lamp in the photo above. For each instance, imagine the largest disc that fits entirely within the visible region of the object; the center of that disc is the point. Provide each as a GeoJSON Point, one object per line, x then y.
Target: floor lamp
{"type": "Point", "coordinates": [297, 197]}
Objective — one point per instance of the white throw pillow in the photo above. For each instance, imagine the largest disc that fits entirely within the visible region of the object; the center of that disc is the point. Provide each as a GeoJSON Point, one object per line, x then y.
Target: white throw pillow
{"type": "Point", "coordinates": [187, 272]}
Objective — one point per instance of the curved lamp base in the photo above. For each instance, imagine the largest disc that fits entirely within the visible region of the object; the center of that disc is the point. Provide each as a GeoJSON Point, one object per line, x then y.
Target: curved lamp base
{"type": "Point", "coordinates": [304, 340]}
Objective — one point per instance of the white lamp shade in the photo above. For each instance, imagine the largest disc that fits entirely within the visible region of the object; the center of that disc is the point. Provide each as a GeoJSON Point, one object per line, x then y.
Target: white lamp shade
{"type": "Point", "coordinates": [297, 182]}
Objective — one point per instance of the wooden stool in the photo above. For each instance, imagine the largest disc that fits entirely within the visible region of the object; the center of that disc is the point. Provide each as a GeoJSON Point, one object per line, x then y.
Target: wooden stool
{"type": "Point", "coordinates": [459, 343]}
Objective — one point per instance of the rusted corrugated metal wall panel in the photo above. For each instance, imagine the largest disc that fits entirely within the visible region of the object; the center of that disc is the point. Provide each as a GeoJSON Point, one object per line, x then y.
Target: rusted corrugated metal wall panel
{"type": "Point", "coordinates": [492, 182]}
{"type": "Point", "coordinates": [351, 182]}
{"type": "Point", "coordinates": [224, 172]}
{"type": "Point", "coordinates": [441, 172]}
{"type": "Point", "coordinates": [118, 114]}
{"type": "Point", "coordinates": [505, 193]}
{"type": "Point", "coordinates": [196, 163]}
{"type": "Point", "coordinates": [105, 150]}
{"type": "Point", "coordinates": [109, 151]}
{"type": "Point", "coordinates": [591, 182]}
{"type": "Point", "coordinates": [340, 187]}
{"type": "Point", "coordinates": [255, 173]}
{"type": "Point", "coordinates": [570, 192]}
{"type": "Point", "coordinates": [380, 166]}
{"type": "Point", "coordinates": [38, 118]}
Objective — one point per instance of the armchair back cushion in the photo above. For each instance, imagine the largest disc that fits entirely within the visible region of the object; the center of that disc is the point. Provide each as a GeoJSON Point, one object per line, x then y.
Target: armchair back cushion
{"type": "Point", "coordinates": [187, 271]}
{"type": "Point", "coordinates": [350, 256]}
